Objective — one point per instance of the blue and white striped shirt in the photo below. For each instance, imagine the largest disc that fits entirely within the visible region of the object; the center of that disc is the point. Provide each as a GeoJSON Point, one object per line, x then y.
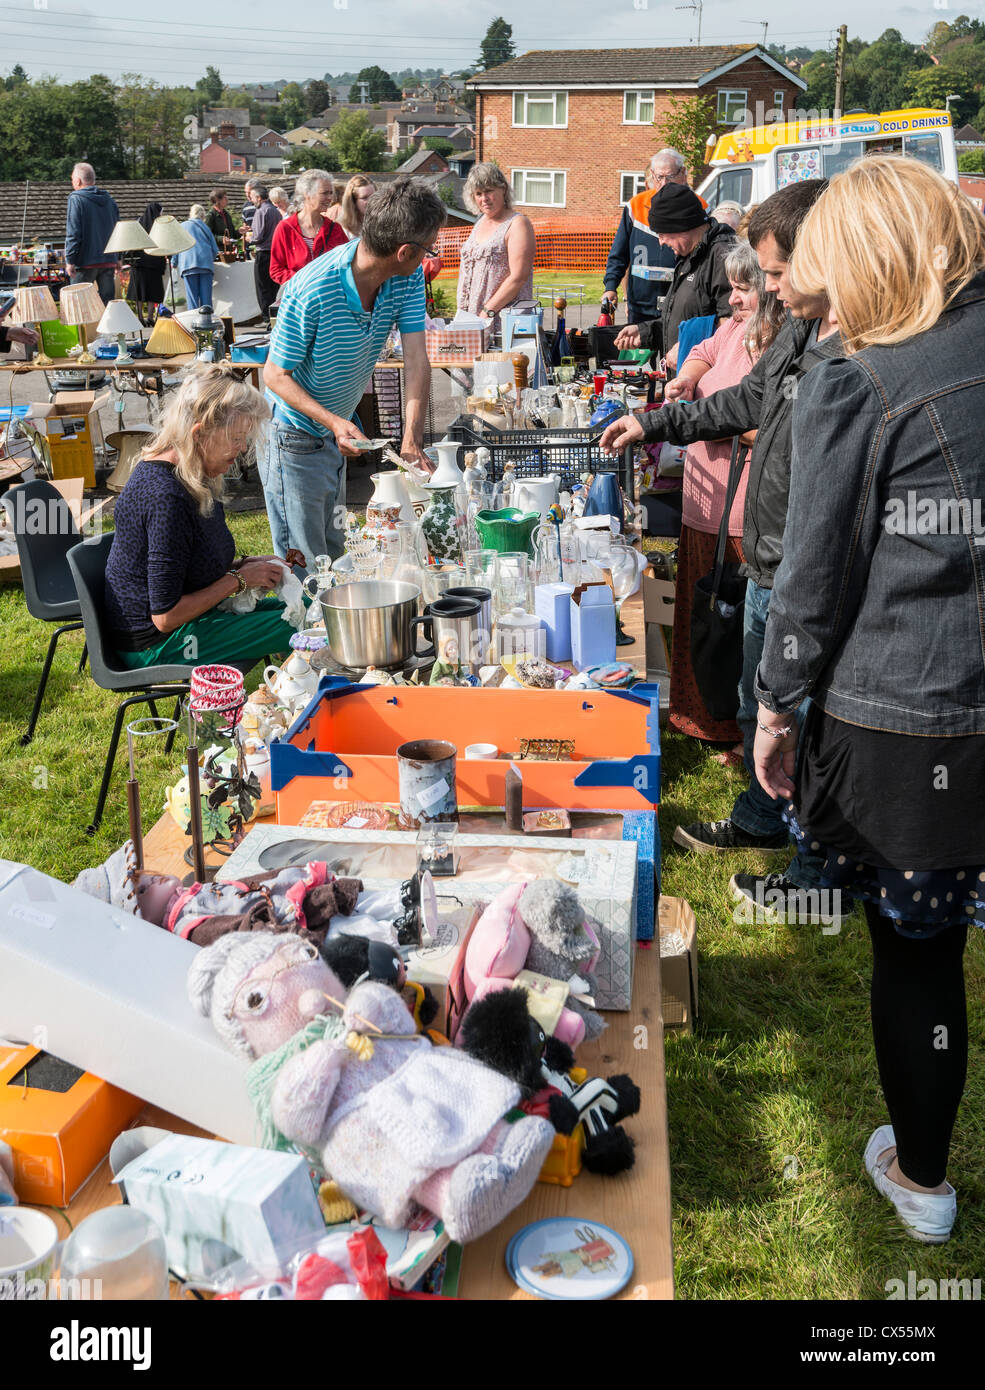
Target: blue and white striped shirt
{"type": "Point", "coordinates": [328, 342]}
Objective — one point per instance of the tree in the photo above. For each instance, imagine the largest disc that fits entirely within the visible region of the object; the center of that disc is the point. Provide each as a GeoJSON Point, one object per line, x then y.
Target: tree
{"type": "Point", "coordinates": [440, 145]}
{"type": "Point", "coordinates": [686, 127]}
{"type": "Point", "coordinates": [316, 97]}
{"type": "Point", "coordinates": [447, 195]}
{"type": "Point", "coordinates": [884, 69]}
{"type": "Point", "coordinates": [209, 89]}
{"type": "Point", "coordinates": [16, 78]}
{"type": "Point", "coordinates": [292, 106]}
{"type": "Point", "coordinates": [971, 162]}
{"type": "Point", "coordinates": [497, 47]}
{"type": "Point", "coordinates": [381, 86]}
{"type": "Point", "coordinates": [355, 145]}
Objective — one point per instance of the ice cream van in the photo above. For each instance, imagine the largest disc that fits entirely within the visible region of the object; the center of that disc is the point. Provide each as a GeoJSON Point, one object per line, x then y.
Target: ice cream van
{"type": "Point", "coordinates": [747, 165]}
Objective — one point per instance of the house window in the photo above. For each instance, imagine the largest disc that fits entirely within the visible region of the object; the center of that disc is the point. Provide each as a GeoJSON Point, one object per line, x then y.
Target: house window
{"type": "Point", "coordinates": [779, 102]}
{"type": "Point", "coordinates": [540, 109]}
{"type": "Point", "coordinates": [542, 188]}
{"type": "Point", "coordinates": [637, 108]}
{"type": "Point", "coordinates": [731, 105]}
{"type": "Point", "coordinates": [630, 185]}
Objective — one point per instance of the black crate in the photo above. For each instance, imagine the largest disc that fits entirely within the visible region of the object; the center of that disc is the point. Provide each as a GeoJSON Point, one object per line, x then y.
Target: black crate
{"type": "Point", "coordinates": [535, 453]}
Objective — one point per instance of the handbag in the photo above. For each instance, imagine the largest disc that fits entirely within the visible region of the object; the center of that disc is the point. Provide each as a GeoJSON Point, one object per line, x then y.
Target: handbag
{"type": "Point", "coordinates": [717, 616]}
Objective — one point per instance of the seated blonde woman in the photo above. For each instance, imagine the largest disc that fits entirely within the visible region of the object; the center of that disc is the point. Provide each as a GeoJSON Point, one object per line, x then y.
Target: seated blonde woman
{"type": "Point", "coordinates": [173, 558]}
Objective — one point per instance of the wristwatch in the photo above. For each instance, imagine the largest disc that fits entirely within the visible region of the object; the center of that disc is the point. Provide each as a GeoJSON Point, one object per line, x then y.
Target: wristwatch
{"type": "Point", "coordinates": [240, 582]}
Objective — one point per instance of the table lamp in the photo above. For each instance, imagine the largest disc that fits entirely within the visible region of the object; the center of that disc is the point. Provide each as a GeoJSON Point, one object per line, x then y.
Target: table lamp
{"type": "Point", "coordinates": [80, 305]}
{"type": "Point", "coordinates": [128, 235]}
{"type": "Point", "coordinates": [35, 305]}
{"type": "Point", "coordinates": [169, 237]}
{"type": "Point", "coordinates": [120, 319]}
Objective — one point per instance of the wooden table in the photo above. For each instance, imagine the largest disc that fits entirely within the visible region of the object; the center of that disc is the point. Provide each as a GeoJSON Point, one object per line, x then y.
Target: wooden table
{"type": "Point", "coordinates": [636, 1204]}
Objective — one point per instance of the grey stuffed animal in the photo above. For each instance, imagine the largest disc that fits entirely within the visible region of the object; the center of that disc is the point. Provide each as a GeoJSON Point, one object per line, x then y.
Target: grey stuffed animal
{"type": "Point", "coordinates": [560, 942]}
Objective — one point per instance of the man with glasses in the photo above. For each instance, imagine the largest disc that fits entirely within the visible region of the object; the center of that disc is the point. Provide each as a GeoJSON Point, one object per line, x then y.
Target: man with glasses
{"type": "Point", "coordinates": [334, 320]}
{"type": "Point", "coordinates": [637, 249]}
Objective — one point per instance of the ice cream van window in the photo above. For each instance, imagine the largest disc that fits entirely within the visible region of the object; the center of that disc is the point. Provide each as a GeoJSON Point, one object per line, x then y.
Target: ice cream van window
{"type": "Point", "coordinates": [839, 155]}
{"type": "Point", "coordinates": [926, 146]}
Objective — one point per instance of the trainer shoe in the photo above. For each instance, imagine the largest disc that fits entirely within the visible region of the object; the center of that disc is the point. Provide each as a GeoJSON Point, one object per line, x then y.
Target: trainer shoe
{"type": "Point", "coordinates": [927, 1216]}
{"type": "Point", "coordinates": [708, 837]}
{"type": "Point", "coordinates": [779, 899]}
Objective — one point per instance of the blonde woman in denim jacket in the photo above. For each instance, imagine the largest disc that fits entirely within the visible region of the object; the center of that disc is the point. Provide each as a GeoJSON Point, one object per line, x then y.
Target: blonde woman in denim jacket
{"type": "Point", "coordinates": [878, 614]}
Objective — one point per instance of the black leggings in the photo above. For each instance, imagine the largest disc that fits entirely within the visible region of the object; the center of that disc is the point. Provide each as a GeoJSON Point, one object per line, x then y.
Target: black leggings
{"type": "Point", "coordinates": [920, 1030]}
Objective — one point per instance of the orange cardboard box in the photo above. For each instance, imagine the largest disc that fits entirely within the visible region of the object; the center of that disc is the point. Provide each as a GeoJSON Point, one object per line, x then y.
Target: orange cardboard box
{"type": "Point", "coordinates": [58, 1138]}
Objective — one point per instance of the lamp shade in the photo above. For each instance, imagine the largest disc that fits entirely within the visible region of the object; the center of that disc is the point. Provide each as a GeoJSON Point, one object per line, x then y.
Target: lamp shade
{"type": "Point", "coordinates": [169, 236]}
{"type": "Point", "coordinates": [80, 304]}
{"type": "Point", "coordinates": [34, 305]}
{"type": "Point", "coordinates": [118, 317]}
{"type": "Point", "coordinates": [128, 236]}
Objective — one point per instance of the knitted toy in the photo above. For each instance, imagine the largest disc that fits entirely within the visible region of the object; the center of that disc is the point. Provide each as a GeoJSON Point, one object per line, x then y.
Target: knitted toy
{"type": "Point", "coordinates": [355, 958]}
{"type": "Point", "coordinates": [500, 1031]}
{"type": "Point", "coordinates": [538, 936]}
{"type": "Point", "coordinates": [394, 1120]}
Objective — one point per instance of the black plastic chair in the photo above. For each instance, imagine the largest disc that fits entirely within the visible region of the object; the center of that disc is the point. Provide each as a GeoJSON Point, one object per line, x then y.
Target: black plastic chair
{"type": "Point", "coordinates": [45, 531]}
{"type": "Point", "coordinates": [142, 686]}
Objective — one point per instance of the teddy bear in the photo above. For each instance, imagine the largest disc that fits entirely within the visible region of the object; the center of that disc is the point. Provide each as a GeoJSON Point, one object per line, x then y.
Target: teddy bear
{"type": "Point", "coordinates": [345, 1076]}
{"type": "Point", "coordinates": [500, 1031]}
{"type": "Point", "coordinates": [537, 935]}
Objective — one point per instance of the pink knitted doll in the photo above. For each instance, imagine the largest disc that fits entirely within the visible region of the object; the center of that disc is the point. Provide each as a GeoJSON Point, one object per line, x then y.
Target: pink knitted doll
{"type": "Point", "coordinates": [394, 1120]}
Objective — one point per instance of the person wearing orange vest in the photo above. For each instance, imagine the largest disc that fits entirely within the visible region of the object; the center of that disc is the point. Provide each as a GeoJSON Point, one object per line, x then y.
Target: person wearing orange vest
{"type": "Point", "coordinates": [636, 249]}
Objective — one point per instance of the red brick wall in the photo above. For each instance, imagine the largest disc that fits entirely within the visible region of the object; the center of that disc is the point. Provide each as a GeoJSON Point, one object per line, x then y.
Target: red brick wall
{"type": "Point", "coordinates": [596, 147]}
{"type": "Point", "coordinates": [214, 160]}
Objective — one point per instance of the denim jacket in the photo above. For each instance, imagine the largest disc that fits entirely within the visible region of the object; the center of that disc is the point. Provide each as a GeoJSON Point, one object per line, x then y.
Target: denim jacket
{"type": "Point", "coordinates": [878, 607]}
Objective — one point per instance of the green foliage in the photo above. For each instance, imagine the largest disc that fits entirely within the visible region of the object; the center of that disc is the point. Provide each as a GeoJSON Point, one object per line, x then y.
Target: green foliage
{"type": "Point", "coordinates": [316, 97]}
{"type": "Point", "coordinates": [972, 162]}
{"type": "Point", "coordinates": [355, 145]}
{"type": "Point", "coordinates": [292, 107]}
{"type": "Point", "coordinates": [16, 77]}
{"type": "Point", "coordinates": [447, 195]}
{"type": "Point", "coordinates": [381, 86]}
{"type": "Point", "coordinates": [152, 127]}
{"type": "Point", "coordinates": [686, 127]}
{"type": "Point", "coordinates": [439, 144]}
{"type": "Point", "coordinates": [47, 126]}
{"type": "Point", "coordinates": [209, 89]}
{"type": "Point", "coordinates": [497, 47]}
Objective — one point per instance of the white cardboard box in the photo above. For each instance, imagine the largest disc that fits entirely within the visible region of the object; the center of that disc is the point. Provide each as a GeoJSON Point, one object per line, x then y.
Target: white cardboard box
{"type": "Point", "coordinates": [106, 991]}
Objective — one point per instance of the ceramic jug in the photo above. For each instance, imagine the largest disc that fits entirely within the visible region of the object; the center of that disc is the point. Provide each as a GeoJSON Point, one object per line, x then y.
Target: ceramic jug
{"type": "Point", "coordinates": [389, 492]}
{"type": "Point", "coordinates": [536, 494]}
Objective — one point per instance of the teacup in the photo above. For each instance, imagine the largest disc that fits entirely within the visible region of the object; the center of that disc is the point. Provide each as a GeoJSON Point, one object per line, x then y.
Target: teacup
{"type": "Point", "coordinates": [28, 1242]}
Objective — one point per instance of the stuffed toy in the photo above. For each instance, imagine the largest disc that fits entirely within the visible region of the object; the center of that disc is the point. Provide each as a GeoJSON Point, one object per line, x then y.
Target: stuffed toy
{"type": "Point", "coordinates": [301, 899]}
{"type": "Point", "coordinates": [344, 1075]}
{"type": "Point", "coordinates": [355, 958]}
{"type": "Point", "coordinates": [537, 936]}
{"type": "Point", "coordinates": [500, 1031]}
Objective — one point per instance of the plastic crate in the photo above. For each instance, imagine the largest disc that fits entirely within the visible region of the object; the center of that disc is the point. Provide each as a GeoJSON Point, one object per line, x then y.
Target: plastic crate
{"type": "Point", "coordinates": [535, 453]}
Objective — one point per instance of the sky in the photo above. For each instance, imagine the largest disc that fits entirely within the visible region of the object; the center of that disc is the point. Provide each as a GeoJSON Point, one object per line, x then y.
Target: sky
{"type": "Point", "coordinates": [74, 40]}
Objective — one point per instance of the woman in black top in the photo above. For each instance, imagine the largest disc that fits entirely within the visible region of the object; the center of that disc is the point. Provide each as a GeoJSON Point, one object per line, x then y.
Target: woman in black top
{"type": "Point", "coordinates": [147, 272]}
{"type": "Point", "coordinates": [173, 558]}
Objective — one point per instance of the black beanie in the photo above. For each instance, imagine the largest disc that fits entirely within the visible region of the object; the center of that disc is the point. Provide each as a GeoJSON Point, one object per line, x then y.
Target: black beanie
{"type": "Point", "coordinates": [676, 209]}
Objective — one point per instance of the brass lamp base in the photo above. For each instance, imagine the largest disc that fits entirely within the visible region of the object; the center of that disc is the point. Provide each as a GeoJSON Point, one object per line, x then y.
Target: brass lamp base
{"type": "Point", "coordinates": [85, 356]}
{"type": "Point", "coordinates": [41, 357]}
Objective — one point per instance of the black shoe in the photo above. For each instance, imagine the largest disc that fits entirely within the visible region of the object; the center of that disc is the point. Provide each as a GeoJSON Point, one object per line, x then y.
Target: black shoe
{"type": "Point", "coordinates": [774, 898]}
{"type": "Point", "coordinates": [708, 837]}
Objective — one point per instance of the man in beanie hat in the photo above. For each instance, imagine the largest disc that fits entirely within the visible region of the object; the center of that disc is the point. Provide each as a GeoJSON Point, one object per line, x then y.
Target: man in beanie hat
{"type": "Point", "coordinates": [700, 285]}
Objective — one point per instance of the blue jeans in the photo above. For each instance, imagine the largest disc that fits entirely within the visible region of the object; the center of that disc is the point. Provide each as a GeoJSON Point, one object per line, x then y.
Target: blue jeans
{"type": "Point", "coordinates": [755, 811]}
{"type": "Point", "coordinates": [303, 477]}
{"type": "Point", "coordinates": [198, 287]}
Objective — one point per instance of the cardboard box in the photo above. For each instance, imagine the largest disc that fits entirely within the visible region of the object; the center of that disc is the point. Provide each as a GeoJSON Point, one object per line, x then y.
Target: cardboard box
{"type": "Point", "coordinates": [71, 489]}
{"type": "Point", "coordinates": [602, 872]}
{"type": "Point", "coordinates": [71, 429]}
{"type": "Point", "coordinates": [441, 967]}
{"type": "Point", "coordinates": [593, 625]}
{"type": "Point", "coordinates": [58, 1137]}
{"type": "Point", "coordinates": [552, 604]}
{"type": "Point", "coordinates": [109, 991]}
{"type": "Point", "coordinates": [678, 964]}
{"type": "Point", "coordinates": [219, 1203]}
{"type": "Point", "coordinates": [444, 343]}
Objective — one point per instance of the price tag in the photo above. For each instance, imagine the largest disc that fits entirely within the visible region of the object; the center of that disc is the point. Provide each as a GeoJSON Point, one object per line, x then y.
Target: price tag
{"type": "Point", "coordinates": [433, 794]}
{"type": "Point", "coordinates": [356, 822]}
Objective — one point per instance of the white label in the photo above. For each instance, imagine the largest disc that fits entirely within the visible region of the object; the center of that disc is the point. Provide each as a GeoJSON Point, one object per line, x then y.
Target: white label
{"type": "Point", "coordinates": [33, 915]}
{"type": "Point", "coordinates": [433, 794]}
{"type": "Point", "coordinates": [356, 822]}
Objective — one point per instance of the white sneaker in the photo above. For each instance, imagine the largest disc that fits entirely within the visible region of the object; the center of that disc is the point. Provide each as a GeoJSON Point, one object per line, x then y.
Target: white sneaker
{"type": "Point", "coordinates": [927, 1216]}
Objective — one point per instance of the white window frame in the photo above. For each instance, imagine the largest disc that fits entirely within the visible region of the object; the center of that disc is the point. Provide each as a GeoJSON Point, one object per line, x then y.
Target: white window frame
{"type": "Point", "coordinates": [641, 94]}
{"type": "Point", "coordinates": [639, 175]}
{"type": "Point", "coordinates": [730, 94]}
{"type": "Point", "coordinates": [779, 100]}
{"type": "Point", "coordinates": [541, 94]}
{"type": "Point", "coordinates": [520, 194]}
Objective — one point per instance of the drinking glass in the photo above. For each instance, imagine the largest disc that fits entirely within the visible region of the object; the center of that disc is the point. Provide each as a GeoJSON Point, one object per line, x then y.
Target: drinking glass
{"type": "Point", "coordinates": [512, 582]}
{"type": "Point", "coordinates": [436, 582]}
{"type": "Point", "coordinates": [480, 569]}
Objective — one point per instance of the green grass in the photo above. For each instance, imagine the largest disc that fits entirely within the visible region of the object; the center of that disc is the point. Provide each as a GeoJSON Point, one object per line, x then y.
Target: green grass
{"type": "Point", "coordinates": [544, 279]}
{"type": "Point", "coordinates": [781, 1063]}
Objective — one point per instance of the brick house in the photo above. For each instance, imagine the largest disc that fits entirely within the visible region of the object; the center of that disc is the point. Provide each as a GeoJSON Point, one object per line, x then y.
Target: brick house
{"type": "Point", "coordinates": [264, 152]}
{"type": "Point", "coordinates": [574, 130]}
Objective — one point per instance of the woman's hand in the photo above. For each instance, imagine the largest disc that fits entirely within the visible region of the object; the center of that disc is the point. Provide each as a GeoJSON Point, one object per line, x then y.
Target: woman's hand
{"type": "Point", "coordinates": [628, 337]}
{"type": "Point", "coordinates": [671, 358]}
{"type": "Point", "coordinates": [622, 432]}
{"type": "Point", "coordinates": [775, 758]}
{"type": "Point", "coordinates": [680, 389]}
{"type": "Point", "coordinates": [261, 574]}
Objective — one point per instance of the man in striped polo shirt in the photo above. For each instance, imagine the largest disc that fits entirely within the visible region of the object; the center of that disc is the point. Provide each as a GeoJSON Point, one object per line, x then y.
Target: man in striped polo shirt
{"type": "Point", "coordinates": [334, 319]}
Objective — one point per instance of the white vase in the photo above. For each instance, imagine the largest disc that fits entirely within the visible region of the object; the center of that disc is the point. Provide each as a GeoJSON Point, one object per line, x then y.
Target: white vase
{"type": "Point", "coordinates": [447, 473]}
{"type": "Point", "coordinates": [390, 490]}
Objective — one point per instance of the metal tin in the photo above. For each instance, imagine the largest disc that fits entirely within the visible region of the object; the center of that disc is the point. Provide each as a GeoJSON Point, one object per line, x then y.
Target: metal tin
{"type": "Point", "coordinates": [426, 778]}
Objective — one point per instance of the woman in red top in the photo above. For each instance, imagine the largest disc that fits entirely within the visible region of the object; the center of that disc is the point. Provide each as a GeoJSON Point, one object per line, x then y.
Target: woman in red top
{"type": "Point", "coordinates": [308, 233]}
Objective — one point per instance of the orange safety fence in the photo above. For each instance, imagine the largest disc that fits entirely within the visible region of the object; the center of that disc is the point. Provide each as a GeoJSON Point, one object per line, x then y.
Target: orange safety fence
{"type": "Point", "coordinates": [577, 243]}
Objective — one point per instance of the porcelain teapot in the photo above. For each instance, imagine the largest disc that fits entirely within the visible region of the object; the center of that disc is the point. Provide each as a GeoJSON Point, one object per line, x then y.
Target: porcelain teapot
{"type": "Point", "coordinates": [293, 683]}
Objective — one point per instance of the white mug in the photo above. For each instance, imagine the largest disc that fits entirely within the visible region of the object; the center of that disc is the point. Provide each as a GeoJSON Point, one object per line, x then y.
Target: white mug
{"type": "Point", "coordinates": [28, 1244]}
{"type": "Point", "coordinates": [476, 752]}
